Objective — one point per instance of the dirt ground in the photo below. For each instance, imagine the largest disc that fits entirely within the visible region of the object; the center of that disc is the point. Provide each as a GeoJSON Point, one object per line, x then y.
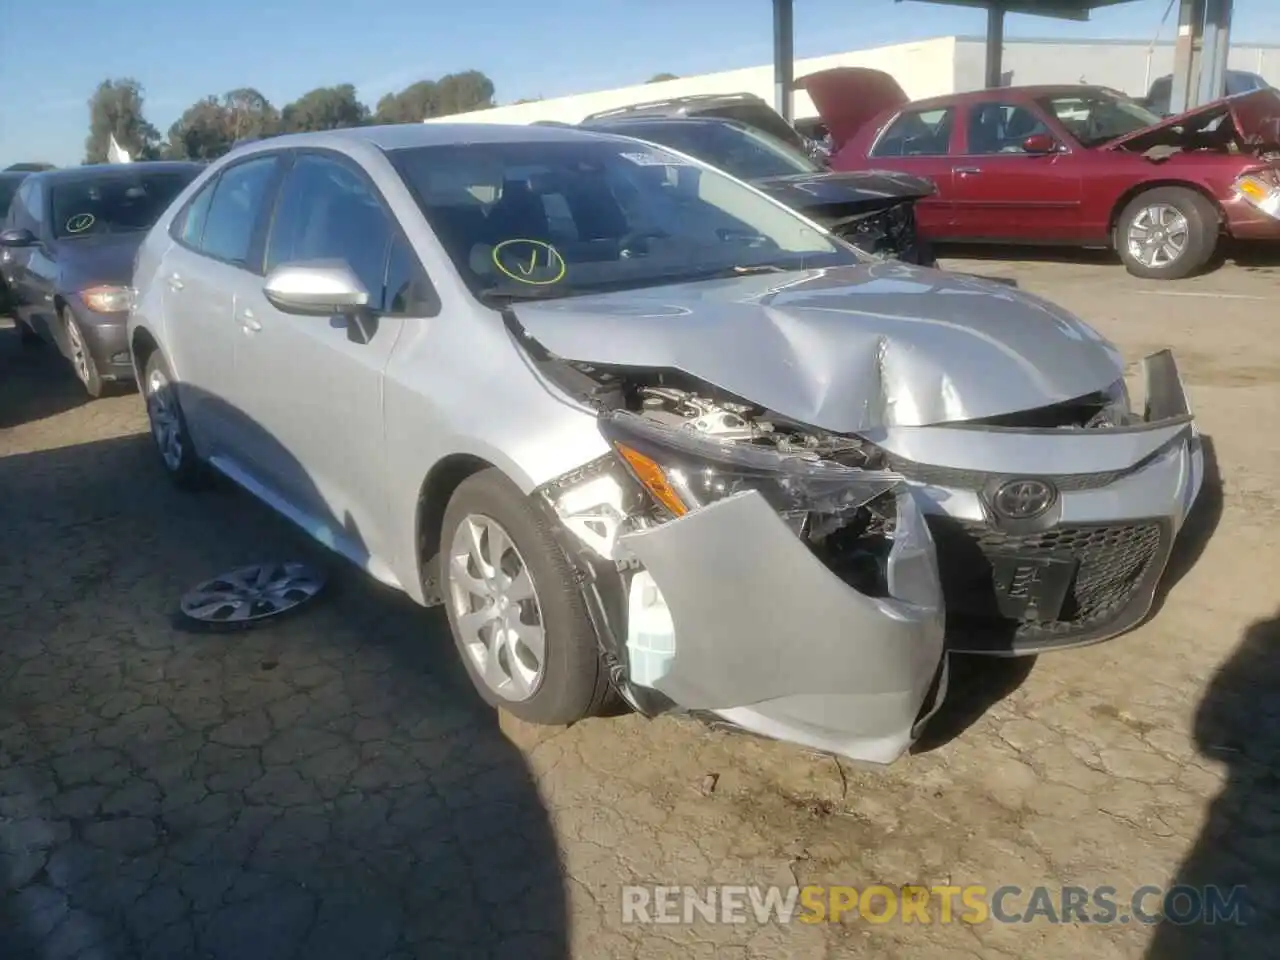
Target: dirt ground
{"type": "Point", "coordinates": [330, 787]}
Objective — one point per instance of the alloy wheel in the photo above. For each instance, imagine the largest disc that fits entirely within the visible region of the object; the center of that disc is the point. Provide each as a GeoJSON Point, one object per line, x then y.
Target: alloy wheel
{"type": "Point", "coordinates": [166, 424]}
{"type": "Point", "coordinates": [1158, 235]}
{"type": "Point", "coordinates": [496, 609]}
{"type": "Point", "coordinates": [79, 353]}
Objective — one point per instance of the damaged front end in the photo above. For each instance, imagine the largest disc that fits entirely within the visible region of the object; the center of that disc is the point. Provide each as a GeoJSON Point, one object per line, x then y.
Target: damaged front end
{"type": "Point", "coordinates": [740, 565]}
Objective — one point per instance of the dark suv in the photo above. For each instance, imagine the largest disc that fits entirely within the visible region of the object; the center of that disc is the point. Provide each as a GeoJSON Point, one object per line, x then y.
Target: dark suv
{"type": "Point", "coordinates": [743, 107]}
{"type": "Point", "coordinates": [873, 211]}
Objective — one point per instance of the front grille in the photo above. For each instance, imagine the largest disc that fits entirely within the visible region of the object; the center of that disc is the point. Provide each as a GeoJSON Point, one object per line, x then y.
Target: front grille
{"type": "Point", "coordinates": [1112, 564]}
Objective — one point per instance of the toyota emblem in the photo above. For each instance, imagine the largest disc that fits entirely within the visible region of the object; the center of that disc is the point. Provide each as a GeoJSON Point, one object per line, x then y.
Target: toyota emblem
{"type": "Point", "coordinates": [1024, 499]}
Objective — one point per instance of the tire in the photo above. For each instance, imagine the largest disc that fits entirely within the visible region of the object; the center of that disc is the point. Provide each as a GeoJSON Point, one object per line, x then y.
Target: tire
{"type": "Point", "coordinates": [571, 682]}
{"type": "Point", "coordinates": [180, 461]}
{"type": "Point", "coordinates": [82, 362]}
{"type": "Point", "coordinates": [1190, 215]}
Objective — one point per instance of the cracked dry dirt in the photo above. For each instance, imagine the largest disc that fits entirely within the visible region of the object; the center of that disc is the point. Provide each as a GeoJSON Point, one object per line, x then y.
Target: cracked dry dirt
{"type": "Point", "coordinates": [330, 787]}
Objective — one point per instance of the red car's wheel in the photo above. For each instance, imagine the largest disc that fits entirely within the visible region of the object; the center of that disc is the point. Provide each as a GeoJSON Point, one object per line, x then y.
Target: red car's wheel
{"type": "Point", "coordinates": [1167, 233]}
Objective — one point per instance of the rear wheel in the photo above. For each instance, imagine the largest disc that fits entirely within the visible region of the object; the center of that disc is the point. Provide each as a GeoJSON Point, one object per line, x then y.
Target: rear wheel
{"type": "Point", "coordinates": [517, 617]}
{"type": "Point", "coordinates": [168, 425]}
{"type": "Point", "coordinates": [1167, 233]}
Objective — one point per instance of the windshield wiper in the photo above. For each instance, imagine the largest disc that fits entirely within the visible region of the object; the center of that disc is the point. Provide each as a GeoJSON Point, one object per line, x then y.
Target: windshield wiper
{"type": "Point", "coordinates": [742, 270]}
{"type": "Point", "coordinates": [535, 292]}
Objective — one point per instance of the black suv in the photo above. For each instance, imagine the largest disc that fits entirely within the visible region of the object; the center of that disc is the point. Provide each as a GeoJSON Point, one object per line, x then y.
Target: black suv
{"type": "Point", "coordinates": [870, 209]}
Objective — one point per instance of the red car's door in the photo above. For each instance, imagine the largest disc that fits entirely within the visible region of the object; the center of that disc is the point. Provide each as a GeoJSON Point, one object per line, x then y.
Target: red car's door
{"type": "Point", "coordinates": [1001, 192]}
{"type": "Point", "coordinates": [919, 141]}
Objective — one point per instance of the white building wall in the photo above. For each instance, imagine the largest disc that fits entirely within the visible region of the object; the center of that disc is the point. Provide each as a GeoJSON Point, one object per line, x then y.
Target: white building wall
{"type": "Point", "coordinates": [924, 69]}
{"type": "Point", "coordinates": [1127, 65]}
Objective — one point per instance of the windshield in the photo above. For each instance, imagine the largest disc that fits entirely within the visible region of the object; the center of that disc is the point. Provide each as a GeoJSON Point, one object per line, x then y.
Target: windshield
{"type": "Point", "coordinates": [1096, 117]}
{"type": "Point", "coordinates": [747, 154]}
{"type": "Point", "coordinates": [556, 218]}
{"type": "Point", "coordinates": [115, 203]}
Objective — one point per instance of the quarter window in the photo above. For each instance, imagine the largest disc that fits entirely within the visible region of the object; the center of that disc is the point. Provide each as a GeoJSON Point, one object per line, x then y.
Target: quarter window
{"type": "Point", "coordinates": [917, 133]}
{"type": "Point", "coordinates": [234, 208]}
{"type": "Point", "coordinates": [1001, 128]}
{"type": "Point", "coordinates": [327, 211]}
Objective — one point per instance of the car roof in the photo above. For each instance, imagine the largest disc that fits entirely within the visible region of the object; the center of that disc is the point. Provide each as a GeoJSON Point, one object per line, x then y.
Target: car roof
{"type": "Point", "coordinates": [1013, 93]}
{"type": "Point", "coordinates": [671, 105]}
{"type": "Point", "coordinates": [406, 136]}
{"type": "Point", "coordinates": [16, 174]}
{"type": "Point", "coordinates": [94, 171]}
{"type": "Point", "coordinates": [648, 120]}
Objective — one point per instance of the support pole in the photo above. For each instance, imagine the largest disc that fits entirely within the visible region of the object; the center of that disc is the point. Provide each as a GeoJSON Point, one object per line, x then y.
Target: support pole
{"type": "Point", "coordinates": [1186, 56]}
{"type": "Point", "coordinates": [783, 56]}
{"type": "Point", "coordinates": [1213, 51]}
{"type": "Point", "coordinates": [995, 44]}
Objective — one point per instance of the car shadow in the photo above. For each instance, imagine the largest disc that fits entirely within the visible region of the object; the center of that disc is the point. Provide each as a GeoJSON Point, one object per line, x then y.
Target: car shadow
{"type": "Point", "coordinates": [1235, 862]}
{"type": "Point", "coordinates": [326, 786]}
{"type": "Point", "coordinates": [1255, 256]}
{"type": "Point", "coordinates": [1028, 254]}
{"type": "Point", "coordinates": [36, 381]}
{"type": "Point", "coordinates": [975, 684]}
{"type": "Point", "coordinates": [1198, 528]}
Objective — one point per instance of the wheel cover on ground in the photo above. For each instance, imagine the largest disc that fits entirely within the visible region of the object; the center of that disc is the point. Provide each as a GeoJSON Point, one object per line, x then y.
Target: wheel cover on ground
{"type": "Point", "coordinates": [495, 608]}
{"type": "Point", "coordinates": [252, 593]}
{"type": "Point", "coordinates": [1158, 235]}
{"type": "Point", "coordinates": [166, 424]}
{"type": "Point", "coordinates": [79, 354]}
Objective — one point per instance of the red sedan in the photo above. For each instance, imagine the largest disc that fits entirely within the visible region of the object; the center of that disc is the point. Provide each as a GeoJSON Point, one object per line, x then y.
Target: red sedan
{"type": "Point", "coordinates": [1070, 165]}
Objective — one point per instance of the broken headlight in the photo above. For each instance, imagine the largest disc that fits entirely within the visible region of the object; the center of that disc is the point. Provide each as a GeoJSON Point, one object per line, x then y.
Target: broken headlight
{"type": "Point", "coordinates": [684, 470]}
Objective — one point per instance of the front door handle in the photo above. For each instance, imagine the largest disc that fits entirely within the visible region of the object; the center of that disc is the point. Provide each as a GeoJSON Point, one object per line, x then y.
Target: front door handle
{"type": "Point", "coordinates": [248, 322]}
{"type": "Point", "coordinates": [175, 282]}
{"type": "Point", "coordinates": [966, 170]}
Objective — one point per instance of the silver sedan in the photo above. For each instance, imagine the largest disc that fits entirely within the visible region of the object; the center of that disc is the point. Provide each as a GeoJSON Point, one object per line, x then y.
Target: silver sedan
{"type": "Point", "coordinates": [641, 428]}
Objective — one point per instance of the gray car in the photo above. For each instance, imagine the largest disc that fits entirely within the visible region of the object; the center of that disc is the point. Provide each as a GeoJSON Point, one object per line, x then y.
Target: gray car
{"type": "Point", "coordinates": [639, 426]}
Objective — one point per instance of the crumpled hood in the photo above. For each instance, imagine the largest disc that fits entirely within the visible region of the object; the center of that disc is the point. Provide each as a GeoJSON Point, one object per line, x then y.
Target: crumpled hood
{"type": "Point", "coordinates": [871, 188]}
{"type": "Point", "coordinates": [1256, 115]}
{"type": "Point", "coordinates": [849, 349]}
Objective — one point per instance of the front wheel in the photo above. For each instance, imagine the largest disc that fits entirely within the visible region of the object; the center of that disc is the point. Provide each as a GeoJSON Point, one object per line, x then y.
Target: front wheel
{"type": "Point", "coordinates": [82, 358]}
{"type": "Point", "coordinates": [517, 616]}
{"type": "Point", "coordinates": [1167, 233]}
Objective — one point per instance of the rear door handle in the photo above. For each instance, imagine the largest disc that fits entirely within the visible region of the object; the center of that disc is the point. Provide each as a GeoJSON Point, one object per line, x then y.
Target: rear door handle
{"type": "Point", "coordinates": [965, 170]}
{"type": "Point", "coordinates": [175, 282]}
{"type": "Point", "coordinates": [249, 322]}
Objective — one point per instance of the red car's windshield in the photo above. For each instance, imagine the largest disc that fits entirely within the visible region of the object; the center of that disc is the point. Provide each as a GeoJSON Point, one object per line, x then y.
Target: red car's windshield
{"type": "Point", "coordinates": [1095, 117]}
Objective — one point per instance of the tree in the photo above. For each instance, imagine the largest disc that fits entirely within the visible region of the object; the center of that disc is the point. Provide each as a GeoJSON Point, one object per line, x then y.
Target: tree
{"type": "Point", "coordinates": [452, 93]}
{"type": "Point", "coordinates": [201, 133]}
{"type": "Point", "coordinates": [662, 78]}
{"type": "Point", "coordinates": [249, 114]}
{"type": "Point", "coordinates": [115, 109]}
{"type": "Point", "coordinates": [324, 108]}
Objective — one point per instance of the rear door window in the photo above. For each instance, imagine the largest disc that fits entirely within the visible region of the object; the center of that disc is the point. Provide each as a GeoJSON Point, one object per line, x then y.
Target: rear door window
{"type": "Point", "coordinates": [917, 133]}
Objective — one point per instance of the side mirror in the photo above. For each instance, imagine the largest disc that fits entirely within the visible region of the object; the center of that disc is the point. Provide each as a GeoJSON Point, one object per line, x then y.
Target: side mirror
{"type": "Point", "coordinates": [1039, 143]}
{"type": "Point", "coordinates": [18, 237]}
{"type": "Point", "coordinates": [319, 289]}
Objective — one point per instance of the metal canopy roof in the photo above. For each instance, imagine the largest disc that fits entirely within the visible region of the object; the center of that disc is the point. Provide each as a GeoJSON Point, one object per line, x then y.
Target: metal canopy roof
{"type": "Point", "coordinates": [1061, 9]}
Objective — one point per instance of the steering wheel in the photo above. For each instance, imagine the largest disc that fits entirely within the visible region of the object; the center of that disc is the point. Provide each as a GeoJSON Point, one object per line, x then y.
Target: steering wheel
{"type": "Point", "coordinates": [636, 241]}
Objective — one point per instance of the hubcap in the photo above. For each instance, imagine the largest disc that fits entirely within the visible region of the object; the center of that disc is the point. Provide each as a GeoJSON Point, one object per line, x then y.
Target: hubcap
{"type": "Point", "coordinates": [166, 426]}
{"type": "Point", "coordinates": [496, 609]}
{"type": "Point", "coordinates": [252, 593]}
{"type": "Point", "coordinates": [79, 356]}
{"type": "Point", "coordinates": [1158, 235]}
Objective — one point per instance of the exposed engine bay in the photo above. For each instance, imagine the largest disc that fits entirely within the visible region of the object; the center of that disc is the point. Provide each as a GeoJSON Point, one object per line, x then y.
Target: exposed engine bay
{"type": "Point", "coordinates": [887, 231]}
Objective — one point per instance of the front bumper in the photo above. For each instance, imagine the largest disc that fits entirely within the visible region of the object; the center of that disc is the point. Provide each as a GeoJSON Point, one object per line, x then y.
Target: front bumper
{"type": "Point", "coordinates": [1088, 569]}
{"type": "Point", "coordinates": [107, 337]}
{"type": "Point", "coordinates": [772, 641]}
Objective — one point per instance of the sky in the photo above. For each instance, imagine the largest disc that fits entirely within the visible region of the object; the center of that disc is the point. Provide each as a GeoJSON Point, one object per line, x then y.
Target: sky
{"type": "Point", "coordinates": [53, 55]}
